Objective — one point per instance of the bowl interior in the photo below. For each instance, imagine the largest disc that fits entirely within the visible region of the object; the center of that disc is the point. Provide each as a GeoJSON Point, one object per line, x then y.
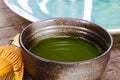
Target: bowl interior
{"type": "Point", "coordinates": [65, 27]}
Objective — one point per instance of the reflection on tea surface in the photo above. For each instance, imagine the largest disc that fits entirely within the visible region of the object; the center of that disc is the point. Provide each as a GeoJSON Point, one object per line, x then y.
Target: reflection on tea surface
{"type": "Point", "coordinates": [66, 49]}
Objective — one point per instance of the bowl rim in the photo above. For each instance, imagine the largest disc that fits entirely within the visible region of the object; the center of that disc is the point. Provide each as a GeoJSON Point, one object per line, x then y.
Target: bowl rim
{"type": "Point", "coordinates": [53, 61]}
{"type": "Point", "coordinates": [35, 19]}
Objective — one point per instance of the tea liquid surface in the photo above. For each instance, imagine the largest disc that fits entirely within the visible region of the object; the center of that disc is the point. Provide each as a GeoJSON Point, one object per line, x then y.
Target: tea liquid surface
{"type": "Point", "coordinates": [66, 49]}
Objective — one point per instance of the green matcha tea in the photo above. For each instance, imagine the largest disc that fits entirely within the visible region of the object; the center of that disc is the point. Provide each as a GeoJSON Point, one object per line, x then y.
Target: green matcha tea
{"type": "Point", "coordinates": [66, 49]}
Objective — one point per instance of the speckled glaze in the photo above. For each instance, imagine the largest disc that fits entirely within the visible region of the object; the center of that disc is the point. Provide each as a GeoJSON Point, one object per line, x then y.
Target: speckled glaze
{"type": "Point", "coordinates": [43, 69]}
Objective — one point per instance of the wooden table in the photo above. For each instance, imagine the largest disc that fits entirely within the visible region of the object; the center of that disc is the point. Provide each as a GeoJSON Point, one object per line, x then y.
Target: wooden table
{"type": "Point", "coordinates": [11, 24]}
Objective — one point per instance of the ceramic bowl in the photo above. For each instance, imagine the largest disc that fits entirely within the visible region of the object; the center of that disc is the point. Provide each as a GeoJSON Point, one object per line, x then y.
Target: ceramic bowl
{"type": "Point", "coordinates": [102, 12]}
{"type": "Point", "coordinates": [44, 69]}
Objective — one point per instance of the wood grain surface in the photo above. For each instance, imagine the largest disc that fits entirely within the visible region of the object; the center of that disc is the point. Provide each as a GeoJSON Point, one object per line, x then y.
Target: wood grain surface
{"type": "Point", "coordinates": [11, 24]}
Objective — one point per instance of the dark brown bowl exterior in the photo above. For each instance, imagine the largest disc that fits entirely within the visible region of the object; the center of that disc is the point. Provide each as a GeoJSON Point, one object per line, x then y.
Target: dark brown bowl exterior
{"type": "Point", "coordinates": [43, 69]}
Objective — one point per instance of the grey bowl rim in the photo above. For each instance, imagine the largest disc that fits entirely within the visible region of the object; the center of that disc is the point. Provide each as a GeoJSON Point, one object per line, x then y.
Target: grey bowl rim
{"type": "Point", "coordinates": [58, 62]}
